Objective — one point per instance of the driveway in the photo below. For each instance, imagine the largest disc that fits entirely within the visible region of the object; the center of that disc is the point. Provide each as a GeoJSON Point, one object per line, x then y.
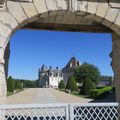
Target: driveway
{"type": "Point", "coordinates": [44, 95]}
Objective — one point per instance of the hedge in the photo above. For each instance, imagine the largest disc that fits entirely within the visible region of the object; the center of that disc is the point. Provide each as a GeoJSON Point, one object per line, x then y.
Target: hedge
{"type": "Point", "coordinates": [87, 86]}
{"type": "Point", "coordinates": [61, 85]}
{"type": "Point", "coordinates": [97, 93]}
{"type": "Point", "coordinates": [71, 84]}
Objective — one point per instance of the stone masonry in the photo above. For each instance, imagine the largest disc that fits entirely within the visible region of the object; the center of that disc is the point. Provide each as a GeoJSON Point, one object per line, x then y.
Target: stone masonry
{"type": "Point", "coordinates": [67, 15]}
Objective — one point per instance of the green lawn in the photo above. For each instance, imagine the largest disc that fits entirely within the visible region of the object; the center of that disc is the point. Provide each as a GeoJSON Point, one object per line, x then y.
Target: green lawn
{"type": "Point", "coordinates": [76, 93]}
{"type": "Point", "coordinates": [11, 93]}
{"type": "Point", "coordinates": [95, 93]}
{"type": "Point", "coordinates": [100, 92]}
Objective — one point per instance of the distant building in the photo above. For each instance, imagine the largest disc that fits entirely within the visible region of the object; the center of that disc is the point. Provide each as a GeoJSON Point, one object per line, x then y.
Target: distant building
{"type": "Point", "coordinates": [70, 68]}
{"type": "Point", "coordinates": [106, 81]}
{"type": "Point", "coordinates": [49, 77]}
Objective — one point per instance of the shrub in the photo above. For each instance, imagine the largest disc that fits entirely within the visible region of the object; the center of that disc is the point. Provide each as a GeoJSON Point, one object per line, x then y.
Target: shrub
{"type": "Point", "coordinates": [87, 86]}
{"type": "Point", "coordinates": [97, 93]}
{"type": "Point", "coordinates": [61, 85]}
{"type": "Point", "coordinates": [10, 84]}
{"type": "Point", "coordinates": [18, 84]}
{"type": "Point", "coordinates": [71, 84]}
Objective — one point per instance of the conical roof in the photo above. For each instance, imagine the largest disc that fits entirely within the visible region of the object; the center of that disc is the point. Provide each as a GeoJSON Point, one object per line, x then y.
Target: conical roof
{"type": "Point", "coordinates": [44, 68]}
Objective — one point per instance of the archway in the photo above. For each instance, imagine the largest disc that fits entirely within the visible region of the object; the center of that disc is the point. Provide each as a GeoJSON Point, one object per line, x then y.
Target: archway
{"type": "Point", "coordinates": [60, 15]}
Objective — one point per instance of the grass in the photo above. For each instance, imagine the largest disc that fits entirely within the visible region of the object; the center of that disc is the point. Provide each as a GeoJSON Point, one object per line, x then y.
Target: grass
{"type": "Point", "coordinates": [100, 92]}
{"type": "Point", "coordinates": [95, 93]}
{"type": "Point", "coordinates": [11, 93]}
{"type": "Point", "coordinates": [75, 93]}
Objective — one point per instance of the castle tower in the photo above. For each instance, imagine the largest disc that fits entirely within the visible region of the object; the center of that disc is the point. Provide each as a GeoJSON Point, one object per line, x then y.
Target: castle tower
{"type": "Point", "coordinates": [70, 68]}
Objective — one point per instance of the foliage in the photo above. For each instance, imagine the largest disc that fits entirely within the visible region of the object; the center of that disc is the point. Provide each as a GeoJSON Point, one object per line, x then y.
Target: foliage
{"type": "Point", "coordinates": [87, 86]}
{"type": "Point", "coordinates": [18, 84]}
{"type": "Point", "coordinates": [15, 84]}
{"type": "Point", "coordinates": [87, 71]}
{"type": "Point", "coordinates": [29, 84]}
{"type": "Point", "coordinates": [71, 84]}
{"type": "Point", "coordinates": [61, 85]}
{"type": "Point", "coordinates": [97, 93]}
{"type": "Point", "coordinates": [10, 84]}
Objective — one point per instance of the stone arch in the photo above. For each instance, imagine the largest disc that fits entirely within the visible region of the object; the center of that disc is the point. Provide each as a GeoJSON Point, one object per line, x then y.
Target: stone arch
{"type": "Point", "coordinates": [18, 14]}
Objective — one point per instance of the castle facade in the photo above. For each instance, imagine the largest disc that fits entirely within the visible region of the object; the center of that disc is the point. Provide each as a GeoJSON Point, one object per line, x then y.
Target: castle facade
{"type": "Point", "coordinates": [49, 77]}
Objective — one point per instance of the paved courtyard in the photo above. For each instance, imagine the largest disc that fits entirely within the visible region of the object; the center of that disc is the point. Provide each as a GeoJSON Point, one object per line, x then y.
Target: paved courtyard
{"type": "Point", "coordinates": [43, 95]}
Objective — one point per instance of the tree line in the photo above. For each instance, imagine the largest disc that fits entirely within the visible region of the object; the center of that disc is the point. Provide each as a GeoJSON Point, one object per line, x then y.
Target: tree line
{"type": "Point", "coordinates": [14, 84]}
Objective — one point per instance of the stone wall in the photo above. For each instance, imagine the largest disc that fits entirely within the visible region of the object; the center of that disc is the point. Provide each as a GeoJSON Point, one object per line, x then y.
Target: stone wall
{"type": "Point", "coordinates": [116, 64]}
{"type": "Point", "coordinates": [18, 14]}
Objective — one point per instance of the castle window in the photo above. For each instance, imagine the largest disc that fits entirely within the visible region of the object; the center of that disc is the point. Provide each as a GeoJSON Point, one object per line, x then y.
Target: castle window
{"type": "Point", "coordinates": [50, 74]}
{"type": "Point", "coordinates": [56, 74]}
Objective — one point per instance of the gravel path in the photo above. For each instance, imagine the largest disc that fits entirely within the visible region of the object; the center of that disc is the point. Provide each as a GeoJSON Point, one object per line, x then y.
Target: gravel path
{"type": "Point", "coordinates": [43, 95]}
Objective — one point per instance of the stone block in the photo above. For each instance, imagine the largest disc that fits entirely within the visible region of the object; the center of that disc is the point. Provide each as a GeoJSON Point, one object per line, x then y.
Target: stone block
{"type": "Point", "coordinates": [71, 18]}
{"type": "Point", "coordinates": [61, 4]}
{"type": "Point", "coordinates": [16, 10]}
{"type": "Point", "coordinates": [2, 41]}
{"type": "Point", "coordinates": [97, 19]}
{"type": "Point", "coordinates": [111, 14]}
{"type": "Point", "coordinates": [78, 19]}
{"type": "Point", "coordinates": [52, 19]}
{"type": "Point", "coordinates": [51, 5]}
{"type": "Point", "coordinates": [40, 6]}
{"type": "Point", "coordinates": [8, 19]}
{"type": "Point", "coordinates": [29, 9]}
{"type": "Point", "coordinates": [117, 21]}
{"type": "Point", "coordinates": [82, 6]}
{"type": "Point", "coordinates": [92, 6]}
{"type": "Point", "coordinates": [106, 23]}
{"type": "Point", "coordinates": [114, 27]}
{"type": "Point", "coordinates": [5, 31]}
{"type": "Point", "coordinates": [102, 9]}
{"type": "Point", "coordinates": [45, 20]}
{"type": "Point", "coordinates": [58, 19]}
{"type": "Point", "coordinates": [65, 17]}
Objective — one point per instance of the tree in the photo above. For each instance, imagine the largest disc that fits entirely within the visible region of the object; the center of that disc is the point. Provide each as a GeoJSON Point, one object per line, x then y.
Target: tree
{"type": "Point", "coordinates": [87, 71]}
{"type": "Point", "coordinates": [18, 84]}
{"type": "Point", "coordinates": [71, 84]}
{"type": "Point", "coordinates": [61, 85]}
{"type": "Point", "coordinates": [87, 86]}
{"type": "Point", "coordinates": [10, 84]}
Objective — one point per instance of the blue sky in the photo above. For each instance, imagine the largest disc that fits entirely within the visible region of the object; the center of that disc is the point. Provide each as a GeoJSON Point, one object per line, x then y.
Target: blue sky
{"type": "Point", "coordinates": [32, 48]}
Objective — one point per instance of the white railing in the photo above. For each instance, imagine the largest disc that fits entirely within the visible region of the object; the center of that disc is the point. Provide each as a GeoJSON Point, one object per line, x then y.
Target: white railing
{"type": "Point", "coordinates": [60, 111]}
{"type": "Point", "coordinates": [94, 111]}
{"type": "Point", "coordinates": [34, 112]}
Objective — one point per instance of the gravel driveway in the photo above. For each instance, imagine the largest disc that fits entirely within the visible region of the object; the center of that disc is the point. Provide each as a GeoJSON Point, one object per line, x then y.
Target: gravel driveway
{"type": "Point", "coordinates": [43, 95]}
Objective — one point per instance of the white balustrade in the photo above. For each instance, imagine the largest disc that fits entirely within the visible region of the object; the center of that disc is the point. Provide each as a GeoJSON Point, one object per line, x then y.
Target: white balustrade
{"type": "Point", "coordinates": [94, 111]}
{"type": "Point", "coordinates": [60, 111]}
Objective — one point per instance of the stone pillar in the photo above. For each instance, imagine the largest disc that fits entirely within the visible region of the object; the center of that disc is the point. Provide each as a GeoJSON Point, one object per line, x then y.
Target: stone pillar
{"type": "Point", "coordinates": [3, 88]}
{"type": "Point", "coordinates": [6, 58]}
{"type": "Point", "coordinates": [116, 65]}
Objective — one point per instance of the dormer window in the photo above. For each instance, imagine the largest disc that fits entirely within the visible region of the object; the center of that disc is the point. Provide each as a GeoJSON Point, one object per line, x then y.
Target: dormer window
{"type": "Point", "coordinates": [56, 74]}
{"type": "Point", "coordinates": [50, 74]}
